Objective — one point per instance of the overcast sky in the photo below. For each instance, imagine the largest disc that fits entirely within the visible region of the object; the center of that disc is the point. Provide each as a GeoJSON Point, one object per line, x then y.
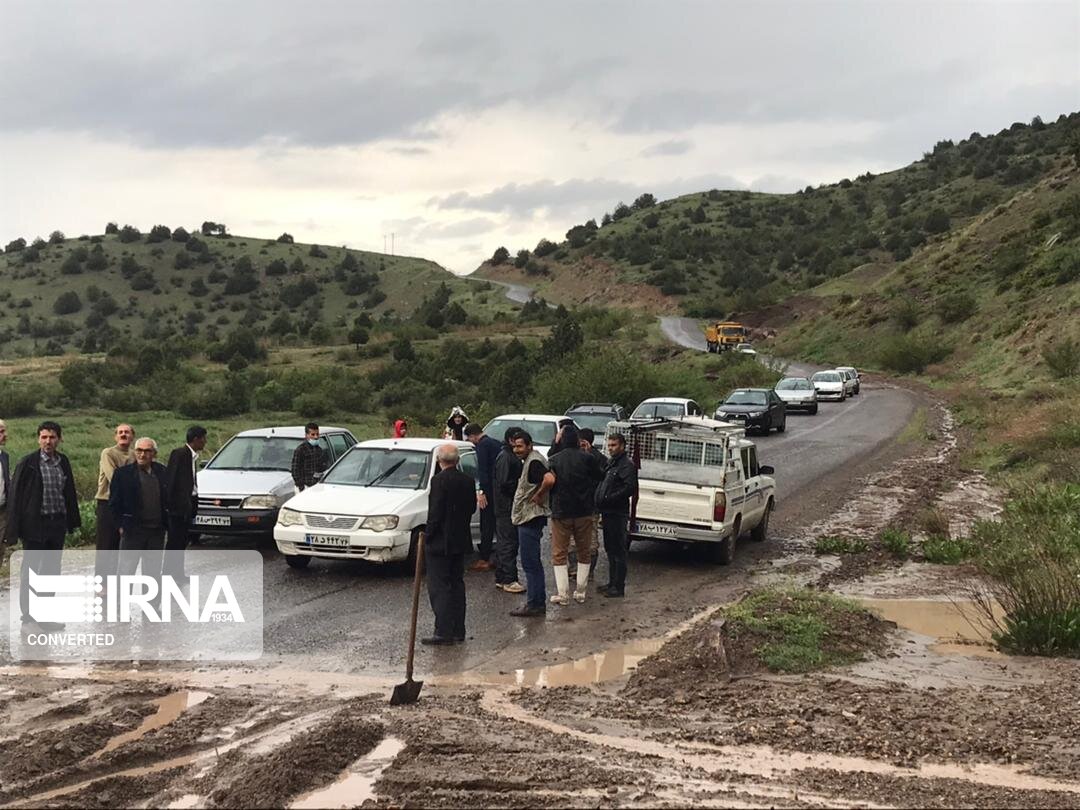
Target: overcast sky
{"type": "Point", "coordinates": [461, 126]}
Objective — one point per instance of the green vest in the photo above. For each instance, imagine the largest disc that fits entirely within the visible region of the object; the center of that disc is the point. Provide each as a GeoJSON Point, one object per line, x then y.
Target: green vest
{"type": "Point", "coordinates": [524, 509]}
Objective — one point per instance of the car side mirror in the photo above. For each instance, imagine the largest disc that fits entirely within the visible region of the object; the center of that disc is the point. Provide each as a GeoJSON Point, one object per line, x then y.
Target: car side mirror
{"type": "Point", "coordinates": [765, 469]}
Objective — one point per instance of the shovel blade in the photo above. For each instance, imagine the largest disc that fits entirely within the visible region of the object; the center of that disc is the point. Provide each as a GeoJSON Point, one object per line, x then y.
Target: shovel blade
{"type": "Point", "coordinates": [405, 693]}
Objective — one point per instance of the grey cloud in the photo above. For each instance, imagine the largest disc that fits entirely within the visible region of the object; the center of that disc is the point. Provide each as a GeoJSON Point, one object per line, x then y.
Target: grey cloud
{"type": "Point", "coordinates": [668, 148]}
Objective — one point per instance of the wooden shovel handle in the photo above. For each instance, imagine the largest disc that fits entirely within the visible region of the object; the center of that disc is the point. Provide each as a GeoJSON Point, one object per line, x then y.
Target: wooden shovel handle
{"type": "Point", "coordinates": [415, 604]}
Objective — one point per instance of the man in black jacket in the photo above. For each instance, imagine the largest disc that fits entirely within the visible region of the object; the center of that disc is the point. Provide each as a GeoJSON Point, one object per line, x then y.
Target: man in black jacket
{"type": "Point", "coordinates": [42, 509]}
{"type": "Point", "coordinates": [5, 487]}
{"type": "Point", "coordinates": [613, 498]}
{"type": "Point", "coordinates": [507, 475]}
{"type": "Point", "coordinates": [137, 500]}
{"type": "Point", "coordinates": [447, 539]}
{"type": "Point", "coordinates": [181, 491]}
{"type": "Point", "coordinates": [308, 459]}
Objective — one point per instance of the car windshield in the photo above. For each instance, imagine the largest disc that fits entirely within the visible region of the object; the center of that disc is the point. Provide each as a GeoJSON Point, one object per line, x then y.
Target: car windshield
{"type": "Point", "coordinates": [542, 432]}
{"type": "Point", "coordinates": [659, 410]}
{"type": "Point", "coordinates": [746, 398]}
{"type": "Point", "coordinates": [826, 376]}
{"type": "Point", "coordinates": [744, 346]}
{"type": "Point", "coordinates": [381, 467]}
{"type": "Point", "coordinates": [732, 331]}
{"type": "Point", "coordinates": [255, 453]}
{"type": "Point", "coordinates": [597, 422]}
{"type": "Point", "coordinates": [794, 384]}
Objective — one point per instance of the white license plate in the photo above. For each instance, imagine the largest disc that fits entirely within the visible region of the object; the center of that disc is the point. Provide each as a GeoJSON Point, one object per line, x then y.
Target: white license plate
{"type": "Point", "coordinates": [658, 529]}
{"type": "Point", "coordinates": [213, 520]}
{"type": "Point", "coordinates": [326, 540]}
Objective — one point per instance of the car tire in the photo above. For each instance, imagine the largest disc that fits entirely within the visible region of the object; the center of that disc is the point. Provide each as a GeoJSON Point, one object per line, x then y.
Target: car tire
{"type": "Point", "coordinates": [723, 553]}
{"type": "Point", "coordinates": [813, 411]}
{"type": "Point", "coordinates": [782, 426]}
{"type": "Point", "coordinates": [761, 531]}
{"type": "Point", "coordinates": [297, 561]}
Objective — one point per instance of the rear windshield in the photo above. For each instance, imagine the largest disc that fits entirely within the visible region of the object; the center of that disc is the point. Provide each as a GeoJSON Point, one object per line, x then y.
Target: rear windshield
{"type": "Point", "coordinates": [746, 398]}
{"type": "Point", "coordinates": [665, 410]}
{"type": "Point", "coordinates": [542, 432]}
{"type": "Point", "coordinates": [794, 384]}
{"type": "Point", "coordinates": [597, 422]}
{"type": "Point", "coordinates": [826, 376]}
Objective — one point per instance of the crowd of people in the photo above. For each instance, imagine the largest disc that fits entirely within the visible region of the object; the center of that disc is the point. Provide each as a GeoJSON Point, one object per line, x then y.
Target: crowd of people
{"type": "Point", "coordinates": [573, 492]}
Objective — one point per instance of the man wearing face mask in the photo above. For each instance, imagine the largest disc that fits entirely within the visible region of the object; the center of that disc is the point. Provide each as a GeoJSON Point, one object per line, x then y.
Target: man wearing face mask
{"type": "Point", "coordinates": [308, 458]}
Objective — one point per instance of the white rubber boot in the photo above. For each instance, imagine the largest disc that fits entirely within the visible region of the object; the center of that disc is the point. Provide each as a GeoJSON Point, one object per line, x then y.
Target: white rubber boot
{"type": "Point", "coordinates": [582, 582]}
{"type": "Point", "coordinates": [562, 582]}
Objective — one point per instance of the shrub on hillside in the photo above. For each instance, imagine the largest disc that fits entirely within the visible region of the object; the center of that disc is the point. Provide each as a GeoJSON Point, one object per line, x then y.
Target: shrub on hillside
{"type": "Point", "coordinates": [159, 233]}
{"type": "Point", "coordinates": [111, 228]}
{"type": "Point", "coordinates": [937, 221]}
{"type": "Point", "coordinates": [906, 354]}
{"type": "Point", "coordinates": [67, 303]}
{"type": "Point", "coordinates": [181, 235]}
{"type": "Point", "coordinates": [1063, 358]}
{"type": "Point", "coordinates": [905, 313]}
{"type": "Point", "coordinates": [500, 256]}
{"type": "Point", "coordinates": [56, 237]}
{"type": "Point", "coordinates": [956, 307]}
{"type": "Point", "coordinates": [18, 400]}
{"type": "Point", "coordinates": [71, 266]}
{"type": "Point", "coordinates": [286, 239]}
{"type": "Point", "coordinates": [129, 233]}
{"type": "Point", "coordinates": [15, 245]}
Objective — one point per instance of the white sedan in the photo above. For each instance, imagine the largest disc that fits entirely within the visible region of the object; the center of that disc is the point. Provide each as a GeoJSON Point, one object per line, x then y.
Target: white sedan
{"type": "Point", "coordinates": [797, 392]}
{"type": "Point", "coordinates": [830, 385]}
{"type": "Point", "coordinates": [371, 505]}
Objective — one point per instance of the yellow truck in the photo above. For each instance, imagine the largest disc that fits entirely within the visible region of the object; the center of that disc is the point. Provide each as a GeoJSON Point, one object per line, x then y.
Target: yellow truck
{"type": "Point", "coordinates": [724, 335]}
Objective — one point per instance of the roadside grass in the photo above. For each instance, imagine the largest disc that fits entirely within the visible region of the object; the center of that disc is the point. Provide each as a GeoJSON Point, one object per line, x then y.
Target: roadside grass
{"type": "Point", "coordinates": [834, 544]}
{"type": "Point", "coordinates": [933, 522]}
{"type": "Point", "coordinates": [916, 428]}
{"type": "Point", "coordinates": [946, 550]}
{"type": "Point", "coordinates": [1030, 560]}
{"type": "Point", "coordinates": [896, 541]}
{"type": "Point", "coordinates": [799, 630]}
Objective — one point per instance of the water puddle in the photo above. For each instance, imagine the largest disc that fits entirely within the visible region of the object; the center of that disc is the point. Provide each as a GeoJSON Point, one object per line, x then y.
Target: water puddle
{"type": "Point", "coordinates": [185, 802]}
{"type": "Point", "coordinates": [357, 784]}
{"type": "Point", "coordinates": [960, 626]}
{"type": "Point", "coordinates": [169, 709]}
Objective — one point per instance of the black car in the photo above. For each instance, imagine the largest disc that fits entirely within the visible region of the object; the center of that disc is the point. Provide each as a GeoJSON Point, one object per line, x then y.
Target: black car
{"type": "Point", "coordinates": [596, 415]}
{"type": "Point", "coordinates": [757, 408]}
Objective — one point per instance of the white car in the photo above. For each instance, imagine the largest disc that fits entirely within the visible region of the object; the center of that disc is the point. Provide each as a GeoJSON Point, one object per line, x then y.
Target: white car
{"type": "Point", "coordinates": [666, 408]}
{"type": "Point", "coordinates": [746, 348]}
{"type": "Point", "coordinates": [851, 382]}
{"type": "Point", "coordinates": [852, 371]}
{"type": "Point", "coordinates": [798, 393]}
{"type": "Point", "coordinates": [371, 505]}
{"type": "Point", "coordinates": [541, 427]}
{"type": "Point", "coordinates": [830, 385]}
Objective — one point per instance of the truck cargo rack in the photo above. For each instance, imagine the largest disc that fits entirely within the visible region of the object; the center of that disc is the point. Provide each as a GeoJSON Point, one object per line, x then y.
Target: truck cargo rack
{"type": "Point", "coordinates": [688, 440]}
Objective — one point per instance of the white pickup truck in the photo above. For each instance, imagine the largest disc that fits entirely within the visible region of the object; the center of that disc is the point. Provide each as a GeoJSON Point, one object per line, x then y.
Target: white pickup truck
{"type": "Point", "coordinates": [699, 481]}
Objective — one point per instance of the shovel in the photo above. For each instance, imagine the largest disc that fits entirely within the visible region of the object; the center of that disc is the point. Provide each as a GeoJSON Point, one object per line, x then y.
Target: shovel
{"type": "Point", "coordinates": [409, 691]}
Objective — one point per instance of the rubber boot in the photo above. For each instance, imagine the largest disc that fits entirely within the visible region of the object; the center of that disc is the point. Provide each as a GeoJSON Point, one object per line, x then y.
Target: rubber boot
{"type": "Point", "coordinates": [582, 582]}
{"type": "Point", "coordinates": [562, 583]}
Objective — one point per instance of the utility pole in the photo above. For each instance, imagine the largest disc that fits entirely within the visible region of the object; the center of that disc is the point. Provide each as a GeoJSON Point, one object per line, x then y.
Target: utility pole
{"type": "Point", "coordinates": [392, 243]}
{"type": "Point", "coordinates": [384, 243]}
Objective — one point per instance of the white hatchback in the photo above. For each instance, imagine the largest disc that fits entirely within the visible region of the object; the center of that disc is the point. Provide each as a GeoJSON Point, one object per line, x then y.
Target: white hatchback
{"type": "Point", "coordinates": [371, 505]}
{"type": "Point", "coordinates": [830, 385]}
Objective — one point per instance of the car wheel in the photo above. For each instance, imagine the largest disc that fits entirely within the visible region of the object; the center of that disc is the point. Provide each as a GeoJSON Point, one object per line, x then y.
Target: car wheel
{"type": "Point", "coordinates": [723, 553]}
{"type": "Point", "coordinates": [761, 531]}
{"type": "Point", "coordinates": [813, 409]}
{"type": "Point", "coordinates": [782, 426]}
{"type": "Point", "coordinates": [297, 560]}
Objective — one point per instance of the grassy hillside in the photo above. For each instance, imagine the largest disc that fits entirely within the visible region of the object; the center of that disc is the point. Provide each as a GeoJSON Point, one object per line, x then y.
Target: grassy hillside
{"type": "Point", "coordinates": [132, 285]}
{"type": "Point", "coordinates": [718, 252]}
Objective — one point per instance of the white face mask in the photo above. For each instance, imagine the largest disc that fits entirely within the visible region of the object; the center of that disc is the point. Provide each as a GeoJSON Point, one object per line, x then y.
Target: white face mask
{"type": "Point", "coordinates": [313, 442]}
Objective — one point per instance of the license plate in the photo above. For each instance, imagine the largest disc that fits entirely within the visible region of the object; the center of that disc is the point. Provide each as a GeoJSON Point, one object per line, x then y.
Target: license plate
{"type": "Point", "coordinates": [326, 540]}
{"type": "Point", "coordinates": [213, 520]}
{"type": "Point", "coordinates": [658, 529]}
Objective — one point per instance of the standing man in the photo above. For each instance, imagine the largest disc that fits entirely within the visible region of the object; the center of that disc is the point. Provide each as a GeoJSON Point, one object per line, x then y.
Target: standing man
{"type": "Point", "coordinates": [5, 487]}
{"type": "Point", "coordinates": [530, 513]}
{"type": "Point", "coordinates": [507, 474]}
{"type": "Point", "coordinates": [137, 499]}
{"type": "Point", "coordinates": [487, 451]}
{"type": "Point", "coordinates": [112, 458]}
{"type": "Point", "coordinates": [613, 497]}
{"type": "Point", "coordinates": [308, 458]}
{"type": "Point", "coordinates": [42, 509]}
{"type": "Point", "coordinates": [574, 474]}
{"type": "Point", "coordinates": [181, 494]}
{"type": "Point", "coordinates": [588, 436]}
{"type": "Point", "coordinates": [447, 539]}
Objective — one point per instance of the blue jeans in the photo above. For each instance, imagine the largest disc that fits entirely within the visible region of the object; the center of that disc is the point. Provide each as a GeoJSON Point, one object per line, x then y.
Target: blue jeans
{"type": "Point", "coordinates": [529, 535]}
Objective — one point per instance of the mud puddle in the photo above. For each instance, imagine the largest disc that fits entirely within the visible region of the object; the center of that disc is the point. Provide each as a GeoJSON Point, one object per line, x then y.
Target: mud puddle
{"type": "Point", "coordinates": [169, 709]}
{"type": "Point", "coordinates": [357, 784]}
{"type": "Point", "coordinates": [959, 626]}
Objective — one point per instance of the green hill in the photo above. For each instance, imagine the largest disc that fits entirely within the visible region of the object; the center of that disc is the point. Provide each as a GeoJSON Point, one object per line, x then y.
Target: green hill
{"type": "Point", "coordinates": [62, 295]}
{"type": "Point", "coordinates": [718, 252]}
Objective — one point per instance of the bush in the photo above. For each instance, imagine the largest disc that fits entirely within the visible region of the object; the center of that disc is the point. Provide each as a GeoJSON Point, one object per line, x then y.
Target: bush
{"type": "Point", "coordinates": [946, 551]}
{"type": "Point", "coordinates": [956, 307]}
{"type": "Point", "coordinates": [937, 221]}
{"type": "Point", "coordinates": [18, 400]}
{"type": "Point", "coordinates": [313, 403]}
{"type": "Point", "coordinates": [1030, 559]}
{"type": "Point", "coordinates": [159, 233]}
{"type": "Point", "coordinates": [317, 252]}
{"type": "Point", "coordinates": [71, 266]}
{"type": "Point", "coordinates": [500, 256]}
{"type": "Point", "coordinates": [909, 355]}
{"type": "Point", "coordinates": [67, 303]}
{"type": "Point", "coordinates": [896, 541]}
{"type": "Point", "coordinates": [286, 239]}
{"type": "Point", "coordinates": [905, 313]}
{"type": "Point", "coordinates": [832, 544]}
{"type": "Point", "coordinates": [181, 235]}
{"type": "Point", "coordinates": [129, 233]}
{"type": "Point", "coordinates": [86, 534]}
{"type": "Point", "coordinates": [1063, 358]}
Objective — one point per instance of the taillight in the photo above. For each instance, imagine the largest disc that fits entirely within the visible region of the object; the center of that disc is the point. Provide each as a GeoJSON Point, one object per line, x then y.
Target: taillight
{"type": "Point", "coordinates": [719, 509]}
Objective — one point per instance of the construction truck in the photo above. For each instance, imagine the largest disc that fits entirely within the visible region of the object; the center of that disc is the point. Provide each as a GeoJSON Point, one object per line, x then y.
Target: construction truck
{"type": "Point", "coordinates": [725, 335]}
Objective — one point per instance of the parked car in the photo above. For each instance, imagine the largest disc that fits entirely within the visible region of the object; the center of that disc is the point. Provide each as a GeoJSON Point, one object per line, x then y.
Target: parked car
{"type": "Point", "coordinates": [754, 408]}
{"type": "Point", "coordinates": [700, 483]}
{"type": "Point", "coordinates": [596, 417]}
{"type": "Point", "coordinates": [746, 348]}
{"type": "Point", "coordinates": [542, 427]}
{"type": "Point", "coordinates": [798, 393]}
{"type": "Point", "coordinates": [371, 505]}
{"type": "Point", "coordinates": [666, 408]}
{"type": "Point", "coordinates": [245, 483]}
{"type": "Point", "coordinates": [829, 385]}
{"type": "Point", "coordinates": [854, 373]}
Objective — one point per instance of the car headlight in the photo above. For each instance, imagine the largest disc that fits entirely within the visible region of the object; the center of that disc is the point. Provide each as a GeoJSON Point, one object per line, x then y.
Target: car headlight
{"type": "Point", "coordinates": [756, 414]}
{"type": "Point", "coordinates": [380, 523]}
{"type": "Point", "coordinates": [260, 502]}
{"type": "Point", "coordinates": [289, 517]}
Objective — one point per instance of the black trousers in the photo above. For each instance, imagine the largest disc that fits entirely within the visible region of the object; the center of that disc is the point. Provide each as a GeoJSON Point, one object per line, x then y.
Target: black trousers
{"type": "Point", "coordinates": [615, 536]}
{"type": "Point", "coordinates": [143, 547]}
{"type": "Point", "coordinates": [108, 540]}
{"type": "Point", "coordinates": [487, 532]}
{"type": "Point", "coordinates": [177, 541]}
{"type": "Point", "coordinates": [506, 550]}
{"type": "Point", "coordinates": [40, 554]}
{"type": "Point", "coordinates": [446, 590]}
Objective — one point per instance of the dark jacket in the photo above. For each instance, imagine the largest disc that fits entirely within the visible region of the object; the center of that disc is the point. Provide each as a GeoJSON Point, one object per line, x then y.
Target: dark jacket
{"type": "Point", "coordinates": [487, 452]}
{"type": "Point", "coordinates": [5, 475]}
{"type": "Point", "coordinates": [507, 476]}
{"type": "Point", "coordinates": [620, 484]}
{"type": "Point", "coordinates": [451, 505]}
{"type": "Point", "coordinates": [125, 494]}
{"type": "Point", "coordinates": [24, 498]}
{"type": "Point", "coordinates": [180, 483]}
{"type": "Point", "coordinates": [577, 473]}
{"type": "Point", "coordinates": [307, 459]}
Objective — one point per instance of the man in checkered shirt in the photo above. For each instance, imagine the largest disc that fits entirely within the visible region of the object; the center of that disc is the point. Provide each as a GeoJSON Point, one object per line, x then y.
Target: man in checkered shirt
{"type": "Point", "coordinates": [308, 458]}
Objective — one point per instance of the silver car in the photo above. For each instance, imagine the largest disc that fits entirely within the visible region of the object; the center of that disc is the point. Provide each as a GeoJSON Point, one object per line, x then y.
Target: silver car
{"type": "Point", "coordinates": [854, 373]}
{"type": "Point", "coordinates": [798, 393]}
{"type": "Point", "coordinates": [851, 382]}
